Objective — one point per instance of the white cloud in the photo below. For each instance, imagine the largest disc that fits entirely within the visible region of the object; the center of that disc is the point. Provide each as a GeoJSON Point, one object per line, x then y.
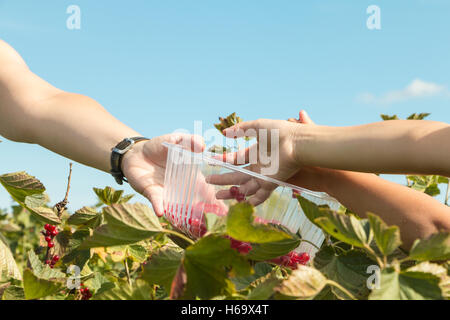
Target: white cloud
{"type": "Point", "coordinates": [416, 89]}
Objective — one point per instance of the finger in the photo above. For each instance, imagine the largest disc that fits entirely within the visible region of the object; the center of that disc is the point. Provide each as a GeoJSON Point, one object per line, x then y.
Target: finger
{"type": "Point", "coordinates": [249, 188]}
{"type": "Point", "coordinates": [240, 157]}
{"type": "Point", "coordinates": [191, 142]}
{"type": "Point", "coordinates": [226, 179]}
{"type": "Point", "coordinates": [155, 195]}
{"type": "Point", "coordinates": [260, 196]}
{"type": "Point", "coordinates": [304, 118]}
{"type": "Point", "coordinates": [224, 195]}
{"type": "Point", "coordinates": [247, 128]}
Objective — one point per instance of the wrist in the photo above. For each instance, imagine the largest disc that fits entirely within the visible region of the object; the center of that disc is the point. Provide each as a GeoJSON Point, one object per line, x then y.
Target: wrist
{"type": "Point", "coordinates": [121, 151]}
{"type": "Point", "coordinates": [303, 143]}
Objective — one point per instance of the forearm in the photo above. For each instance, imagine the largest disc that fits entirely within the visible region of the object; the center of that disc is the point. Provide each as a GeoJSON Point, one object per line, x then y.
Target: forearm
{"type": "Point", "coordinates": [417, 214]}
{"type": "Point", "coordinates": [77, 127]}
{"type": "Point", "coordinates": [72, 125]}
{"type": "Point", "coordinates": [419, 147]}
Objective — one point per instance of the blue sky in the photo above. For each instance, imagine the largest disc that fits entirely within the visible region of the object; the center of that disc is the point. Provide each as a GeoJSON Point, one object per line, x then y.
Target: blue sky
{"type": "Point", "coordinates": [160, 65]}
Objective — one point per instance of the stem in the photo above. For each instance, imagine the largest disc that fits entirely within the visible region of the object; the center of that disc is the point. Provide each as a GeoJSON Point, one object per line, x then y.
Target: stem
{"type": "Point", "coordinates": [179, 235]}
{"type": "Point", "coordinates": [128, 273]}
{"type": "Point", "coordinates": [337, 285]}
{"type": "Point", "coordinates": [370, 250]}
{"type": "Point", "coordinates": [307, 241]}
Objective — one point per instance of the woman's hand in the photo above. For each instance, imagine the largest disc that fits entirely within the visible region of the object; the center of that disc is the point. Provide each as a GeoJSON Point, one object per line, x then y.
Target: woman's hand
{"type": "Point", "coordinates": [145, 165]}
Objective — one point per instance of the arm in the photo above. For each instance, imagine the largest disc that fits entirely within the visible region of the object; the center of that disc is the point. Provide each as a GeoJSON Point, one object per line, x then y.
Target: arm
{"type": "Point", "coordinates": [69, 124]}
{"type": "Point", "coordinates": [414, 147]}
{"type": "Point", "coordinates": [401, 146]}
{"type": "Point", "coordinates": [77, 127]}
{"type": "Point", "coordinates": [415, 213]}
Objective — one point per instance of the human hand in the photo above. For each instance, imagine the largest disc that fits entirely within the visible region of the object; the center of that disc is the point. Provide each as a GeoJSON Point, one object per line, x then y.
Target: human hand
{"type": "Point", "coordinates": [145, 164]}
{"type": "Point", "coordinates": [278, 148]}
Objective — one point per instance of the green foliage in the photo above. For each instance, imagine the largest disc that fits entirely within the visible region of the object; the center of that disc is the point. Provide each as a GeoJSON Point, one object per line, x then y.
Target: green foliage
{"type": "Point", "coordinates": [240, 226]}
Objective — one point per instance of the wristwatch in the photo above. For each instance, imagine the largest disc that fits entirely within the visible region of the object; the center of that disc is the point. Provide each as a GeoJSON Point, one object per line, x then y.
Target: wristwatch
{"type": "Point", "coordinates": [117, 154]}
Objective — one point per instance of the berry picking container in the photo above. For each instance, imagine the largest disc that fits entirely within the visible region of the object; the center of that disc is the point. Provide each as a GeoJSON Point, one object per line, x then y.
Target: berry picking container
{"type": "Point", "coordinates": [188, 197]}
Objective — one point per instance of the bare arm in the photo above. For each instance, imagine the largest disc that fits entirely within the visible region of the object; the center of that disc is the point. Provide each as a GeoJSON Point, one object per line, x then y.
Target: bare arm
{"type": "Point", "coordinates": [417, 214]}
{"type": "Point", "coordinates": [69, 124]}
{"type": "Point", "coordinates": [401, 146]}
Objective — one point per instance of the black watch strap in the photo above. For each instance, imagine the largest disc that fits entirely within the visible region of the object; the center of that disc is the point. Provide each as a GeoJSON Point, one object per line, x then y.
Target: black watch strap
{"type": "Point", "coordinates": [117, 154]}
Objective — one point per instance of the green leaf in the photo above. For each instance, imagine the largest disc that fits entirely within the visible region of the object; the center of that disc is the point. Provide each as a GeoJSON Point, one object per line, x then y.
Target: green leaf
{"type": "Point", "coordinates": [99, 283]}
{"type": "Point", "coordinates": [387, 238]}
{"type": "Point", "coordinates": [304, 283]}
{"type": "Point", "coordinates": [75, 254]}
{"type": "Point", "coordinates": [348, 269]}
{"type": "Point", "coordinates": [137, 253]}
{"type": "Point", "coordinates": [41, 270]}
{"type": "Point", "coordinates": [215, 223]}
{"type": "Point", "coordinates": [111, 196]}
{"type": "Point", "coordinates": [407, 286]}
{"type": "Point", "coordinates": [8, 266]}
{"type": "Point", "coordinates": [261, 269]}
{"type": "Point", "coordinates": [46, 215]}
{"type": "Point", "coordinates": [346, 228]}
{"type": "Point", "coordinates": [436, 247]}
{"type": "Point", "coordinates": [163, 266]}
{"type": "Point", "coordinates": [265, 289]}
{"type": "Point", "coordinates": [13, 293]}
{"type": "Point", "coordinates": [126, 224]}
{"type": "Point", "coordinates": [419, 116]}
{"type": "Point", "coordinates": [29, 193]}
{"type": "Point", "coordinates": [122, 291]}
{"type": "Point", "coordinates": [36, 288]}
{"type": "Point", "coordinates": [205, 264]}
{"type": "Point", "coordinates": [386, 117]}
{"type": "Point", "coordinates": [86, 216]}
{"type": "Point", "coordinates": [21, 185]}
{"type": "Point", "coordinates": [311, 210]}
{"type": "Point", "coordinates": [240, 226]}
{"type": "Point", "coordinates": [272, 250]}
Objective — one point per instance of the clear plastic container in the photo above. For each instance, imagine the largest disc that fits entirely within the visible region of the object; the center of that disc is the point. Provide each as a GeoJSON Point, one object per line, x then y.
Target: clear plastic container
{"type": "Point", "coordinates": [187, 197]}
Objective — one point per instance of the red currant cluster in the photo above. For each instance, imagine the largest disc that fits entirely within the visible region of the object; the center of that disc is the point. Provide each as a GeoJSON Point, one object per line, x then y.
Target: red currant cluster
{"type": "Point", "coordinates": [234, 191]}
{"type": "Point", "coordinates": [50, 232]}
{"type": "Point", "coordinates": [197, 227]}
{"type": "Point", "coordinates": [292, 259]}
{"type": "Point", "coordinates": [241, 247]}
{"type": "Point", "coordinates": [85, 293]}
{"type": "Point", "coordinates": [51, 262]}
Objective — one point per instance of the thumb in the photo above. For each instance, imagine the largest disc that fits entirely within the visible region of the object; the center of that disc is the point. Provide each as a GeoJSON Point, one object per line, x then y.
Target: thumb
{"type": "Point", "coordinates": [304, 118]}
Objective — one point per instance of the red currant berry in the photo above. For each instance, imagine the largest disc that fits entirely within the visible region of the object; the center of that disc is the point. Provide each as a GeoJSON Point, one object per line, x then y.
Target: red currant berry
{"type": "Point", "coordinates": [51, 244]}
{"type": "Point", "coordinates": [240, 197]}
{"type": "Point", "coordinates": [47, 227]}
{"type": "Point", "coordinates": [47, 261]}
{"type": "Point", "coordinates": [54, 233]}
{"type": "Point", "coordinates": [48, 233]}
{"type": "Point", "coordinates": [55, 258]}
{"type": "Point", "coordinates": [234, 191]}
{"type": "Point", "coordinates": [48, 239]}
{"type": "Point", "coordinates": [304, 258]}
{"type": "Point", "coordinates": [52, 228]}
